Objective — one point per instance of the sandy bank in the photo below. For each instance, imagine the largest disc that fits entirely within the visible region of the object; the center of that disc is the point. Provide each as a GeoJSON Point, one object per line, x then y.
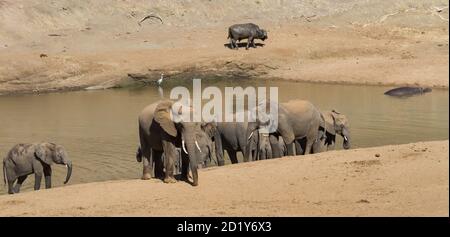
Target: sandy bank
{"type": "Point", "coordinates": [68, 45]}
{"type": "Point", "coordinates": [405, 180]}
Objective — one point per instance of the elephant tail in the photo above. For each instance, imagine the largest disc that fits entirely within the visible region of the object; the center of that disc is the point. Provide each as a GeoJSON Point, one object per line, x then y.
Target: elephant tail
{"type": "Point", "coordinates": [5, 178]}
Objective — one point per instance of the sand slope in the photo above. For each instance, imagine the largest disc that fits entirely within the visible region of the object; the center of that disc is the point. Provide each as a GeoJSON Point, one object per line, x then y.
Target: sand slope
{"type": "Point", "coordinates": [96, 44]}
{"type": "Point", "coordinates": [405, 180]}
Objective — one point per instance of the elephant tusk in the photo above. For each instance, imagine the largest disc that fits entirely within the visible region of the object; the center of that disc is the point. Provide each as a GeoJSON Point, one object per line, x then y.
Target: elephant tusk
{"type": "Point", "coordinates": [345, 139]}
{"type": "Point", "coordinates": [251, 134]}
{"type": "Point", "coordinates": [198, 147]}
{"type": "Point", "coordinates": [184, 147]}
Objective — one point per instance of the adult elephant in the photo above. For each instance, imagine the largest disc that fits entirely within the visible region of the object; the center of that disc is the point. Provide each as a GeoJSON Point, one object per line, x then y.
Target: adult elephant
{"type": "Point", "coordinates": [296, 120]}
{"type": "Point", "coordinates": [336, 123]}
{"type": "Point", "coordinates": [161, 130]}
{"type": "Point", "coordinates": [25, 159]}
{"type": "Point", "coordinates": [233, 139]}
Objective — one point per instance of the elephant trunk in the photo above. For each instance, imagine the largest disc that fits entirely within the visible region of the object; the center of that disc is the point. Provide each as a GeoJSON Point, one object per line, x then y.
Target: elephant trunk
{"type": "Point", "coordinates": [69, 171]}
{"type": "Point", "coordinates": [219, 148]}
{"type": "Point", "coordinates": [249, 136]}
{"type": "Point", "coordinates": [345, 134]}
{"type": "Point", "coordinates": [139, 154]}
{"type": "Point", "coordinates": [5, 178]}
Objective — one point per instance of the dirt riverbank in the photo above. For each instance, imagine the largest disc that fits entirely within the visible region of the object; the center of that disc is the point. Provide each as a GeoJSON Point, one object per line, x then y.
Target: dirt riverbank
{"type": "Point", "coordinates": [67, 45]}
{"type": "Point", "coordinates": [398, 180]}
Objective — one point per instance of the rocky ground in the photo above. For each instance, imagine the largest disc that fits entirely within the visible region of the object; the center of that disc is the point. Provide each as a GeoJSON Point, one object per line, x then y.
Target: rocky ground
{"type": "Point", "coordinates": [400, 180]}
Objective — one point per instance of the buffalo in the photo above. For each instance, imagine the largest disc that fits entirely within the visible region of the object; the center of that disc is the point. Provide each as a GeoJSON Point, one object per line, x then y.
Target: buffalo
{"type": "Point", "coordinates": [247, 31]}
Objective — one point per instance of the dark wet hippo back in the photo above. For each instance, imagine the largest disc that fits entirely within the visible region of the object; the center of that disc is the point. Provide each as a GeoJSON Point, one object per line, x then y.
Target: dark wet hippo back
{"type": "Point", "coordinates": [407, 91]}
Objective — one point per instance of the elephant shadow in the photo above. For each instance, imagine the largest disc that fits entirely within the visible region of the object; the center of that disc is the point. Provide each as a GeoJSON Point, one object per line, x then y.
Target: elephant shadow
{"type": "Point", "coordinates": [243, 45]}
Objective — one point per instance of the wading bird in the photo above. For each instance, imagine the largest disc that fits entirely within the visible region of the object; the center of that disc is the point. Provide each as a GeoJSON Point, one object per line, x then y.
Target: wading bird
{"type": "Point", "coordinates": [160, 80]}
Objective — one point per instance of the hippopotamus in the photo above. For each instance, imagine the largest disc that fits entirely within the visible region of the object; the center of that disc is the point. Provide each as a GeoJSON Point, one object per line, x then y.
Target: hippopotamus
{"type": "Point", "coordinates": [407, 91]}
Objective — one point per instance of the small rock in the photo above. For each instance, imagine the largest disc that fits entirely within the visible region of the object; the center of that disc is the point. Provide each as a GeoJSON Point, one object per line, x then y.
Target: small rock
{"type": "Point", "coordinates": [377, 155]}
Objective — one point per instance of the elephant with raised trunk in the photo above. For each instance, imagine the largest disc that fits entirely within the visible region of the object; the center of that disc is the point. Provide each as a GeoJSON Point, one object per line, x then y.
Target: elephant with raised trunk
{"type": "Point", "coordinates": [297, 120]}
{"type": "Point", "coordinates": [162, 129]}
{"type": "Point", "coordinates": [25, 159]}
{"type": "Point", "coordinates": [336, 123]}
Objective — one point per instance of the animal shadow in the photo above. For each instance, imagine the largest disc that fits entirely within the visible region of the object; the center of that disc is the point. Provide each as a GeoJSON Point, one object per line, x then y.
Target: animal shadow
{"type": "Point", "coordinates": [243, 44]}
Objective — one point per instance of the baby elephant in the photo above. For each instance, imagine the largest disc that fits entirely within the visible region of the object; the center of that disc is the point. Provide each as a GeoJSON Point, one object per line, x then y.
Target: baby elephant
{"type": "Point", "coordinates": [25, 159]}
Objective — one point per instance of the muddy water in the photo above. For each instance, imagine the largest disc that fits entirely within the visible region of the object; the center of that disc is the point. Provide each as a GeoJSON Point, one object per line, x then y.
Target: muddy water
{"type": "Point", "coordinates": [99, 128]}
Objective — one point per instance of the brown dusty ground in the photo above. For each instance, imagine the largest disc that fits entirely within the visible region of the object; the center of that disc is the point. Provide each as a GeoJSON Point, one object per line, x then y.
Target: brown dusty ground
{"type": "Point", "coordinates": [68, 45]}
{"type": "Point", "coordinates": [404, 180]}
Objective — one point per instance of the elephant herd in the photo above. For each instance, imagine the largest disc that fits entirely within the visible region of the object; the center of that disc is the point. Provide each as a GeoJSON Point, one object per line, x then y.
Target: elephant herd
{"type": "Point", "coordinates": [301, 129]}
{"type": "Point", "coordinates": [169, 143]}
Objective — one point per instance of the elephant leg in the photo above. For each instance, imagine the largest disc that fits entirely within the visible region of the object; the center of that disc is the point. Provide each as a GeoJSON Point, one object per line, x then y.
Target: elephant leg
{"type": "Point", "coordinates": [11, 186]}
{"type": "Point", "coordinates": [219, 157]}
{"type": "Point", "coordinates": [158, 163]}
{"type": "Point", "coordinates": [299, 147]}
{"type": "Point", "coordinates": [184, 166]}
{"type": "Point", "coordinates": [269, 152]}
{"type": "Point", "coordinates": [261, 154]}
{"type": "Point", "coordinates": [275, 146]}
{"type": "Point", "coordinates": [331, 146]}
{"type": "Point", "coordinates": [146, 169]}
{"type": "Point", "coordinates": [290, 149]}
{"type": "Point", "coordinates": [233, 156]}
{"type": "Point", "coordinates": [147, 163]}
{"type": "Point", "coordinates": [193, 165]}
{"type": "Point", "coordinates": [11, 178]}
{"type": "Point", "coordinates": [169, 161]}
{"type": "Point", "coordinates": [37, 181]}
{"type": "Point", "coordinates": [48, 176]}
{"type": "Point", "coordinates": [19, 183]}
{"type": "Point", "coordinates": [308, 147]}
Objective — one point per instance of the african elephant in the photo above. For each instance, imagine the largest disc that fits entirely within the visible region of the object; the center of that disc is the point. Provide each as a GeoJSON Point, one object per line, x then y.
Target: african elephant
{"type": "Point", "coordinates": [336, 123]}
{"type": "Point", "coordinates": [206, 146]}
{"type": "Point", "coordinates": [297, 120]}
{"type": "Point", "coordinates": [162, 129]}
{"type": "Point", "coordinates": [25, 159]}
{"type": "Point", "coordinates": [271, 146]}
{"type": "Point", "coordinates": [233, 139]}
{"type": "Point", "coordinates": [264, 146]}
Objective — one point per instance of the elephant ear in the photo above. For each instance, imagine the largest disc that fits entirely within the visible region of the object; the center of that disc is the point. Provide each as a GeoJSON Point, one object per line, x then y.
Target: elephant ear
{"type": "Point", "coordinates": [43, 153]}
{"type": "Point", "coordinates": [162, 116]}
{"type": "Point", "coordinates": [329, 122]}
